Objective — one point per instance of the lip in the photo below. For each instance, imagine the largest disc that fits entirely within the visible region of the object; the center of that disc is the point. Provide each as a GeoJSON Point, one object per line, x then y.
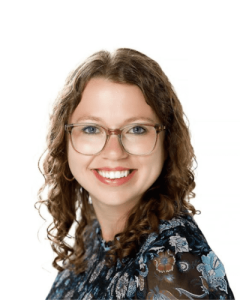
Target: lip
{"type": "Point", "coordinates": [113, 169]}
{"type": "Point", "coordinates": [116, 181]}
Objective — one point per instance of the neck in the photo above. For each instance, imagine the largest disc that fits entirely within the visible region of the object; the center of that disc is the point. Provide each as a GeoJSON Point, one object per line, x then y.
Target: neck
{"type": "Point", "coordinates": [112, 219]}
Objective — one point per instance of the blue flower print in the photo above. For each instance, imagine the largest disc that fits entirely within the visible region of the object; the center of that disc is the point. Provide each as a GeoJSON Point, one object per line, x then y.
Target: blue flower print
{"type": "Point", "coordinates": [213, 272]}
{"type": "Point", "coordinates": [180, 243]}
{"type": "Point", "coordinates": [213, 265]}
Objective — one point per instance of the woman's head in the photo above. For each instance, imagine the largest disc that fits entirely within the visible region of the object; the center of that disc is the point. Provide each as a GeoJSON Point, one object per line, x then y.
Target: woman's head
{"type": "Point", "coordinates": [115, 87]}
{"type": "Point", "coordinates": [113, 104]}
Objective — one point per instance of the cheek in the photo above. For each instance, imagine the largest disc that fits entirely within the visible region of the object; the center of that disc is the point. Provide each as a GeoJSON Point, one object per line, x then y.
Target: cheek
{"type": "Point", "coordinates": [79, 165]}
{"type": "Point", "coordinates": [157, 165]}
{"type": "Point", "coordinates": [72, 164]}
{"type": "Point", "coordinates": [75, 162]}
{"type": "Point", "coordinates": [157, 162]}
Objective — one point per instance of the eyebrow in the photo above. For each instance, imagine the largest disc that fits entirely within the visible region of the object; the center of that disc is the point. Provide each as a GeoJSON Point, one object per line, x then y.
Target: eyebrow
{"type": "Point", "coordinates": [84, 118]}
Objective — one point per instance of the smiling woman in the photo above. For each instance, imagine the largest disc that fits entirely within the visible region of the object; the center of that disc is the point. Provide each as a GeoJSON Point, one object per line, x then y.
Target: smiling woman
{"type": "Point", "coordinates": [92, 152]}
{"type": "Point", "coordinates": [119, 149]}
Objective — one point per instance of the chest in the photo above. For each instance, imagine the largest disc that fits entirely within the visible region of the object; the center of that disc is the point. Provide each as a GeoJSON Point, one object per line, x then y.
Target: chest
{"type": "Point", "coordinates": [102, 282]}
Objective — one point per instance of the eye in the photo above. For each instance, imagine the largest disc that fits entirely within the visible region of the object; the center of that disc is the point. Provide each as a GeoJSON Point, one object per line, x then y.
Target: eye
{"type": "Point", "coordinates": [90, 129]}
{"type": "Point", "coordinates": [138, 129]}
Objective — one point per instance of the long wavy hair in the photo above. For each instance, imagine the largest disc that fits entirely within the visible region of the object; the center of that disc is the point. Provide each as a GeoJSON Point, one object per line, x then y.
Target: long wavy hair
{"type": "Point", "coordinates": [168, 197]}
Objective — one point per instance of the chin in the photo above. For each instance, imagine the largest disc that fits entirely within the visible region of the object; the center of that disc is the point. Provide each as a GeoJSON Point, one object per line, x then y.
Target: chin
{"type": "Point", "coordinates": [114, 201]}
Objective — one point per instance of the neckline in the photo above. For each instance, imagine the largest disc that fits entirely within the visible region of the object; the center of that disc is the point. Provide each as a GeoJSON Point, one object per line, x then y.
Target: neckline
{"type": "Point", "coordinates": [106, 245]}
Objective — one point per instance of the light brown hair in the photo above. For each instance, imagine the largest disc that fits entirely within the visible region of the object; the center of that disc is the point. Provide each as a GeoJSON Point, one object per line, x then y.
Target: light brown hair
{"type": "Point", "coordinates": [168, 196]}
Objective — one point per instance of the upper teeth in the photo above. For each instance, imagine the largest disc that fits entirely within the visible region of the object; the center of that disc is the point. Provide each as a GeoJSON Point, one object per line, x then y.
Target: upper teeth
{"type": "Point", "coordinates": [112, 175]}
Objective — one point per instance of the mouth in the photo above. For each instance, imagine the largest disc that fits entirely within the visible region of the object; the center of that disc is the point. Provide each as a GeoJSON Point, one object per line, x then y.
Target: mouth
{"type": "Point", "coordinates": [114, 178]}
{"type": "Point", "coordinates": [114, 174]}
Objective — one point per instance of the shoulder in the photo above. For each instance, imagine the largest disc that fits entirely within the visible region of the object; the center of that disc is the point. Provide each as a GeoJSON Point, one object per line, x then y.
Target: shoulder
{"type": "Point", "coordinates": [180, 234]}
{"type": "Point", "coordinates": [180, 258]}
{"type": "Point", "coordinates": [177, 242]}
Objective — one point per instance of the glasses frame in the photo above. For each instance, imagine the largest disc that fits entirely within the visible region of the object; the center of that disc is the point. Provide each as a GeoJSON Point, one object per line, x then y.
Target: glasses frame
{"type": "Point", "coordinates": [117, 131]}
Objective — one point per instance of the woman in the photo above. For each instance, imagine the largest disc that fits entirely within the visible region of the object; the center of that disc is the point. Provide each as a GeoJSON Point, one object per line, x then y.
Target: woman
{"type": "Point", "coordinates": [120, 152]}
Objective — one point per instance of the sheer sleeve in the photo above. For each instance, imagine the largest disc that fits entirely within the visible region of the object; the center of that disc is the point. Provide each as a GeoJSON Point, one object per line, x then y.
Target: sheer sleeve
{"type": "Point", "coordinates": [180, 264]}
{"type": "Point", "coordinates": [186, 276]}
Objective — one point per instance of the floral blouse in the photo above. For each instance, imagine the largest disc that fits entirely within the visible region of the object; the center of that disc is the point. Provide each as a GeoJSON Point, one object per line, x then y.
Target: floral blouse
{"type": "Point", "coordinates": [176, 263]}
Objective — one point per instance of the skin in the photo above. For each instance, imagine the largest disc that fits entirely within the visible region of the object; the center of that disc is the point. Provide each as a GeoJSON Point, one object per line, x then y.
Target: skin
{"type": "Point", "coordinates": [114, 103]}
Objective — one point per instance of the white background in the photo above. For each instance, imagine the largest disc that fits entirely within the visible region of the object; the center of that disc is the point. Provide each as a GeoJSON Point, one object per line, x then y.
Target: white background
{"type": "Point", "coordinates": [197, 45]}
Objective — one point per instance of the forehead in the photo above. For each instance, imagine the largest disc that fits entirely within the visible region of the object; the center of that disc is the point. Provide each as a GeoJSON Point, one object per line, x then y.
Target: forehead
{"type": "Point", "coordinates": [112, 102]}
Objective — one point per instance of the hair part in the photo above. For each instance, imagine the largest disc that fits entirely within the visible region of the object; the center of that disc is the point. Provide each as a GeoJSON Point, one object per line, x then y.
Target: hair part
{"type": "Point", "coordinates": [168, 197]}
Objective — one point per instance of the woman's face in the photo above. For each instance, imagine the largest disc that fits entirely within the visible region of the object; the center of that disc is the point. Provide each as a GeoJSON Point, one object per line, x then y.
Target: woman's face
{"type": "Point", "coordinates": [113, 103]}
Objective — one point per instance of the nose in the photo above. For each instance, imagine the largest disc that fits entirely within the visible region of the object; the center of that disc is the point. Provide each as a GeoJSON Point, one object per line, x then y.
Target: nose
{"type": "Point", "coordinates": [113, 148]}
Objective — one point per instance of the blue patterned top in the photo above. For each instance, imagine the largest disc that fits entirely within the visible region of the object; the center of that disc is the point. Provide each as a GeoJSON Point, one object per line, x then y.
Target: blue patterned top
{"type": "Point", "coordinates": [175, 263]}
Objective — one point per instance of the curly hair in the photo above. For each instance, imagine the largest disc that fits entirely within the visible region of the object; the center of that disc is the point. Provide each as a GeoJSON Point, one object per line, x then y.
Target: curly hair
{"type": "Point", "coordinates": [168, 197]}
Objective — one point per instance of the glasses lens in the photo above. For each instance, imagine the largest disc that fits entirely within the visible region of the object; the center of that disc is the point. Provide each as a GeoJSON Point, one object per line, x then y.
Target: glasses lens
{"type": "Point", "coordinates": [139, 139]}
{"type": "Point", "coordinates": [88, 139]}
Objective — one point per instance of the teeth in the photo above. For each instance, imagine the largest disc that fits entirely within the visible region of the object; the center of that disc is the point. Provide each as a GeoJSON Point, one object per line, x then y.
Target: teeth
{"type": "Point", "coordinates": [113, 175]}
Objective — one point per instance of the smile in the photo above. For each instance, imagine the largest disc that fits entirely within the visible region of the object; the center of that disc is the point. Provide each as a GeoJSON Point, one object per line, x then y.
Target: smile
{"type": "Point", "coordinates": [115, 174]}
{"type": "Point", "coordinates": [114, 178]}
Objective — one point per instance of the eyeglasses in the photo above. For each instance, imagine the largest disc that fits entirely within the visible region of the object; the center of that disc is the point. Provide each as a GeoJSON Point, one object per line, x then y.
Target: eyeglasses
{"type": "Point", "coordinates": [136, 139]}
